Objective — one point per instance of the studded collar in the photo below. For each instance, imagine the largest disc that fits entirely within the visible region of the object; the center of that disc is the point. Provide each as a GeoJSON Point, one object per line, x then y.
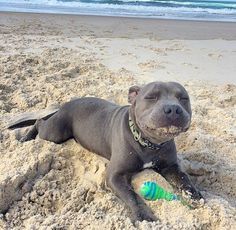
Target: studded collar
{"type": "Point", "coordinates": [142, 141]}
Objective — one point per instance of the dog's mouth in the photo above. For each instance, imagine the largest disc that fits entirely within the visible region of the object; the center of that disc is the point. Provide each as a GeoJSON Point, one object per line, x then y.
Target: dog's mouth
{"type": "Point", "coordinates": [170, 131]}
{"type": "Point", "coordinates": [164, 132]}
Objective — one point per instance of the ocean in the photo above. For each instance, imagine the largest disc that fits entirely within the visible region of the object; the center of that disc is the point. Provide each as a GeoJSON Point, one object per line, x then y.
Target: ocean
{"type": "Point", "coordinates": [207, 10]}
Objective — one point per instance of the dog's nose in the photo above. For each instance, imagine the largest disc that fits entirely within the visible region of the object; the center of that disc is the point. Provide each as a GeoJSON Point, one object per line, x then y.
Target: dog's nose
{"type": "Point", "coordinates": [173, 110]}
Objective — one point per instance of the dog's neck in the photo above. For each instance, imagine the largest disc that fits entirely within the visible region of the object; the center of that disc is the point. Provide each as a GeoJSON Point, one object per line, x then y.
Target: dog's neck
{"type": "Point", "coordinates": [137, 134]}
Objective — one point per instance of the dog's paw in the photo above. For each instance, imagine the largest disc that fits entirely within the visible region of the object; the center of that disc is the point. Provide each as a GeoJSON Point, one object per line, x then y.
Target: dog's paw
{"type": "Point", "coordinates": [24, 139]}
{"type": "Point", "coordinates": [197, 201]}
{"type": "Point", "coordinates": [196, 195]}
{"type": "Point", "coordinates": [194, 198]}
{"type": "Point", "coordinates": [141, 215]}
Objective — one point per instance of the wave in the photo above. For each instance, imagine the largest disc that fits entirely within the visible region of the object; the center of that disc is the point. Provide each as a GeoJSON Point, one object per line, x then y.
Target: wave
{"type": "Point", "coordinates": [177, 9]}
{"type": "Point", "coordinates": [223, 4]}
{"type": "Point", "coordinates": [151, 8]}
{"type": "Point", "coordinates": [194, 3]}
{"type": "Point", "coordinates": [226, 3]}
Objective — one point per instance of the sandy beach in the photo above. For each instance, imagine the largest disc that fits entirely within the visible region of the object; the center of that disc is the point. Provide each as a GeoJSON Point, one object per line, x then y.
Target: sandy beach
{"type": "Point", "coordinates": [49, 59]}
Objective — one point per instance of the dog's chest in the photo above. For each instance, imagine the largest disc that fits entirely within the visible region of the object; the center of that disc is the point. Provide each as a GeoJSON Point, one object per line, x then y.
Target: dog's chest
{"type": "Point", "coordinates": [148, 165]}
{"type": "Point", "coordinates": [154, 162]}
{"type": "Point", "coordinates": [157, 160]}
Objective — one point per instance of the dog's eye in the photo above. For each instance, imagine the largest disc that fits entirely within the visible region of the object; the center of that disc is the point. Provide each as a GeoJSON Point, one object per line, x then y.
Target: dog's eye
{"type": "Point", "coordinates": [151, 97]}
{"type": "Point", "coordinates": [183, 98]}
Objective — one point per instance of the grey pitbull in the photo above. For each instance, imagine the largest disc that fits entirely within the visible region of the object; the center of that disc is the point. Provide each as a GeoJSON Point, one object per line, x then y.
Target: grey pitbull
{"type": "Point", "coordinates": [130, 137]}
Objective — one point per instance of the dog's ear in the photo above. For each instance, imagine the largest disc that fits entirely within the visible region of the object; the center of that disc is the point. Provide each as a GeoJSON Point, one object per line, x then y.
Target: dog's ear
{"type": "Point", "coordinates": [133, 92]}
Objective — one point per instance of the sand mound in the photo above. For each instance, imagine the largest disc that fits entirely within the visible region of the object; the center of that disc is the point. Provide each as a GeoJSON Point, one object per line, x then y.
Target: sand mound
{"type": "Point", "coordinates": [49, 186]}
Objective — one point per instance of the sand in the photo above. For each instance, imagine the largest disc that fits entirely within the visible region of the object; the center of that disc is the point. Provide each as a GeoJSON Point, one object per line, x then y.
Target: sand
{"type": "Point", "coordinates": [49, 59]}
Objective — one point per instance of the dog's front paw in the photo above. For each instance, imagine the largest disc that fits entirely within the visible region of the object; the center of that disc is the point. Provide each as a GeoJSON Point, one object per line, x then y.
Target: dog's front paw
{"type": "Point", "coordinates": [194, 197]}
{"type": "Point", "coordinates": [197, 200]}
{"type": "Point", "coordinates": [197, 203]}
{"type": "Point", "coordinates": [141, 215]}
{"type": "Point", "coordinates": [23, 139]}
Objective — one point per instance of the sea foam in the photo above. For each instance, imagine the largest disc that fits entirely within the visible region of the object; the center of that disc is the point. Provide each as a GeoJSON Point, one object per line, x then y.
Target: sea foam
{"type": "Point", "coordinates": [199, 10]}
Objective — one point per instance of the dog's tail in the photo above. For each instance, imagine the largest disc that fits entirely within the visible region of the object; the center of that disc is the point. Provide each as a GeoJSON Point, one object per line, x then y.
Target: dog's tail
{"type": "Point", "coordinates": [29, 118]}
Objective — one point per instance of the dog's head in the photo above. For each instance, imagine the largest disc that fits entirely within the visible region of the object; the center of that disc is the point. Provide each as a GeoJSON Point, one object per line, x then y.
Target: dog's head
{"type": "Point", "coordinates": [160, 110]}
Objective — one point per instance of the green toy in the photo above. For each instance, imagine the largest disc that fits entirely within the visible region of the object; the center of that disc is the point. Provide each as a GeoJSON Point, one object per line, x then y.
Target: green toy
{"type": "Point", "coordinates": [152, 191]}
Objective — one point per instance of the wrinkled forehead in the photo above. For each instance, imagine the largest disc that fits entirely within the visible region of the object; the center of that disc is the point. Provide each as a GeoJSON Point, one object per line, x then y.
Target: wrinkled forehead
{"type": "Point", "coordinates": [164, 88]}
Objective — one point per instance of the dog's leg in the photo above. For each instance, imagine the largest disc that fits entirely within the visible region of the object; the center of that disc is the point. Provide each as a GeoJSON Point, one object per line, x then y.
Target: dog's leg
{"type": "Point", "coordinates": [121, 186]}
{"type": "Point", "coordinates": [31, 134]}
{"type": "Point", "coordinates": [181, 181]}
{"type": "Point", "coordinates": [55, 129]}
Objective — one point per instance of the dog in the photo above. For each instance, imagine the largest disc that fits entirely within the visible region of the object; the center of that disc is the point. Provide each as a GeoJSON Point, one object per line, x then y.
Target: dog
{"type": "Point", "coordinates": [132, 137]}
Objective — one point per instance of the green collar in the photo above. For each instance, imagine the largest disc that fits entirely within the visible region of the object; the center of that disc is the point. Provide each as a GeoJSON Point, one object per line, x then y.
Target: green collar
{"type": "Point", "coordinates": [144, 142]}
